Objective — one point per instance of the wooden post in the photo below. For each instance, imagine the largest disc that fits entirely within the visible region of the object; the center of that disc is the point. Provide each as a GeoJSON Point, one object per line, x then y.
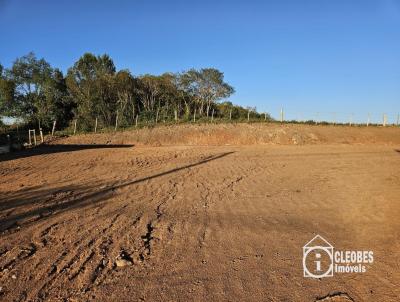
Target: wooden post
{"type": "Point", "coordinates": [369, 119]}
{"type": "Point", "coordinates": [41, 135]}
{"type": "Point", "coordinates": [265, 116]}
{"type": "Point", "coordinates": [230, 114]}
{"type": "Point", "coordinates": [212, 115]}
{"type": "Point", "coordinates": [116, 122]}
{"type": "Point", "coordinates": [95, 126]}
{"type": "Point", "coordinates": [136, 120]}
{"type": "Point", "coordinates": [30, 138]}
{"type": "Point", "coordinates": [75, 126]}
{"type": "Point", "coordinates": [157, 115]}
{"type": "Point", "coordinates": [176, 115]}
{"type": "Point", "coordinates": [248, 115]}
{"type": "Point", "coordinates": [384, 120]}
{"type": "Point", "coordinates": [281, 115]}
{"type": "Point", "coordinates": [194, 116]}
{"type": "Point", "coordinates": [34, 136]}
{"type": "Point", "coordinates": [54, 128]}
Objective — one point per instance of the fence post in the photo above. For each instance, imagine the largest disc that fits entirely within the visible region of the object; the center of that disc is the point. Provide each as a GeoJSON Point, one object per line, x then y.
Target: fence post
{"type": "Point", "coordinates": [157, 115]}
{"type": "Point", "coordinates": [95, 126]}
{"type": "Point", "coordinates": [116, 122]}
{"type": "Point", "coordinates": [265, 116]}
{"type": "Point", "coordinates": [230, 114]}
{"type": "Point", "coordinates": [75, 125]}
{"type": "Point", "coordinates": [30, 139]}
{"type": "Point", "coordinates": [54, 128]}
{"type": "Point", "coordinates": [34, 136]}
{"type": "Point", "coordinates": [281, 115]}
{"type": "Point", "coordinates": [41, 135]}
{"type": "Point", "coordinates": [136, 120]}
{"type": "Point", "coordinates": [176, 115]}
{"type": "Point", "coordinates": [369, 119]}
{"type": "Point", "coordinates": [248, 115]}
{"type": "Point", "coordinates": [194, 116]}
{"type": "Point", "coordinates": [18, 131]}
{"type": "Point", "coordinates": [212, 115]}
{"type": "Point", "coordinates": [384, 120]}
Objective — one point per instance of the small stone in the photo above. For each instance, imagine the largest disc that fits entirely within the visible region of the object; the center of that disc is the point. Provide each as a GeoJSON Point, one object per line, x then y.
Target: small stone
{"type": "Point", "coordinates": [123, 262]}
{"type": "Point", "coordinates": [14, 277]}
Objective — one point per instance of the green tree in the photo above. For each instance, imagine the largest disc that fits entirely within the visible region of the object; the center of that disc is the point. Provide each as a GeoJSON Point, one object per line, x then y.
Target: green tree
{"type": "Point", "coordinates": [35, 92]}
{"type": "Point", "coordinates": [8, 106]}
{"type": "Point", "coordinates": [30, 76]}
{"type": "Point", "coordinates": [57, 97]}
{"type": "Point", "coordinates": [207, 86]}
{"type": "Point", "coordinates": [127, 105]}
{"type": "Point", "coordinates": [90, 83]}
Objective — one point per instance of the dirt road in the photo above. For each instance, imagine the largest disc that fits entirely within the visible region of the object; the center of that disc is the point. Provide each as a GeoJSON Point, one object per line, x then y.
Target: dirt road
{"type": "Point", "coordinates": [192, 223]}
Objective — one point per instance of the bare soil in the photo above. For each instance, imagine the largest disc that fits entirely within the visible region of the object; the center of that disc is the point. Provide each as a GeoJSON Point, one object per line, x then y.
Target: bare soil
{"type": "Point", "coordinates": [167, 215]}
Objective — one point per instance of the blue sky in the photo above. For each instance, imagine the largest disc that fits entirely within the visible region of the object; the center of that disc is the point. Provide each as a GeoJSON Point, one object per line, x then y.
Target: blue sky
{"type": "Point", "coordinates": [311, 57]}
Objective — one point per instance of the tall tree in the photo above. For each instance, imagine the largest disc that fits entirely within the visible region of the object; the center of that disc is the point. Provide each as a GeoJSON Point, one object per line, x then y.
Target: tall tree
{"type": "Point", "coordinates": [57, 97]}
{"type": "Point", "coordinates": [213, 87]}
{"type": "Point", "coordinates": [30, 76]}
{"type": "Point", "coordinates": [127, 105]}
{"type": "Point", "coordinates": [8, 106]}
{"type": "Point", "coordinates": [33, 90]}
{"type": "Point", "coordinates": [207, 86]}
{"type": "Point", "coordinates": [90, 84]}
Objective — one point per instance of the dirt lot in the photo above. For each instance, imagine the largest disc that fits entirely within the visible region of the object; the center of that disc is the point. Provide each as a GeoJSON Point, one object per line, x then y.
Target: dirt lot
{"type": "Point", "coordinates": [124, 221]}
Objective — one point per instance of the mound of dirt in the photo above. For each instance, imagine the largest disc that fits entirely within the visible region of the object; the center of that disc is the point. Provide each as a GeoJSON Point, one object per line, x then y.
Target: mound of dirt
{"type": "Point", "coordinates": [244, 134]}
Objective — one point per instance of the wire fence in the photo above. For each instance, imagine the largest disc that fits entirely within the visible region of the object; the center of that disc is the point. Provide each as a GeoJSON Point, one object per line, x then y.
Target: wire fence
{"type": "Point", "coordinates": [344, 118]}
{"type": "Point", "coordinates": [20, 136]}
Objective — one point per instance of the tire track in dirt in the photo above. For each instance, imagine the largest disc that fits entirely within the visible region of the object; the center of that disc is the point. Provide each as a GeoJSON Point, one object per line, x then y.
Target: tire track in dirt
{"type": "Point", "coordinates": [91, 258]}
{"type": "Point", "coordinates": [144, 249]}
{"type": "Point", "coordinates": [225, 229]}
{"type": "Point", "coordinates": [217, 190]}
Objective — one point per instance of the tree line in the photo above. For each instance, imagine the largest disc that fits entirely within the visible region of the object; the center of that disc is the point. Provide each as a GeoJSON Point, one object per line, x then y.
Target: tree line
{"type": "Point", "coordinates": [37, 94]}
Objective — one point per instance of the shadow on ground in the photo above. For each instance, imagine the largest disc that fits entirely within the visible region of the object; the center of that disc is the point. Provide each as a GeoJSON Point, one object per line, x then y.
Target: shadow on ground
{"type": "Point", "coordinates": [36, 203]}
{"type": "Point", "coordinates": [56, 148]}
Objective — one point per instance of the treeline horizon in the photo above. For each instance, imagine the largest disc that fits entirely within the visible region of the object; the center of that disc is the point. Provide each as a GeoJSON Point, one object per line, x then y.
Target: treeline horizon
{"type": "Point", "coordinates": [93, 92]}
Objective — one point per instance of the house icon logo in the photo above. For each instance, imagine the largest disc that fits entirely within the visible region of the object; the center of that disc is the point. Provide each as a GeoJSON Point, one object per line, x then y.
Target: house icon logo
{"type": "Point", "coordinates": [318, 258]}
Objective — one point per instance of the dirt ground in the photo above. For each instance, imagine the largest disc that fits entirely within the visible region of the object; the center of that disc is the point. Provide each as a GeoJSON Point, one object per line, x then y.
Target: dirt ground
{"type": "Point", "coordinates": [129, 222]}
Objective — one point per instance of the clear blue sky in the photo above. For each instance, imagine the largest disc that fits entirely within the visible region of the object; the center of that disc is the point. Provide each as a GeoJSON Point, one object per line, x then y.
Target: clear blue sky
{"type": "Point", "coordinates": [308, 56]}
